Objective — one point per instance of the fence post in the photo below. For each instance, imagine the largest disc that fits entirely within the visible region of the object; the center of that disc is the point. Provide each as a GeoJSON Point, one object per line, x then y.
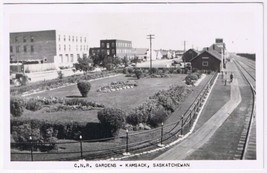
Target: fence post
{"type": "Point", "coordinates": [161, 136]}
{"type": "Point", "coordinates": [81, 146]}
{"type": "Point", "coordinates": [127, 140]}
{"type": "Point", "coordinates": [182, 124]}
{"type": "Point", "coordinates": [30, 138]}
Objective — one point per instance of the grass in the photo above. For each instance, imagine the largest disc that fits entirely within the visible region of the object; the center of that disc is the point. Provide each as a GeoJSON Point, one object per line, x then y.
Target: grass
{"type": "Point", "coordinates": [124, 99]}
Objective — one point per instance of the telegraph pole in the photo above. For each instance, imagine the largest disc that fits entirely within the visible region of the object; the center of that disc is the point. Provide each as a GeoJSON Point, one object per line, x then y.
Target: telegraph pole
{"type": "Point", "coordinates": [184, 46]}
{"type": "Point", "coordinates": [150, 37]}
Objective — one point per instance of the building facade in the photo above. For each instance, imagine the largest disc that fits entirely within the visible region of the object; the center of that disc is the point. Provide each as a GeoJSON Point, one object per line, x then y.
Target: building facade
{"type": "Point", "coordinates": [114, 47]}
{"type": "Point", "coordinates": [189, 55]}
{"type": "Point", "coordinates": [50, 46]}
{"type": "Point", "coordinates": [207, 60]}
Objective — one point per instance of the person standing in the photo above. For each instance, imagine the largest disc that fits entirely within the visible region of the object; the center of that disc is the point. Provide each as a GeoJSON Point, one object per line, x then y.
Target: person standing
{"type": "Point", "coordinates": [231, 77]}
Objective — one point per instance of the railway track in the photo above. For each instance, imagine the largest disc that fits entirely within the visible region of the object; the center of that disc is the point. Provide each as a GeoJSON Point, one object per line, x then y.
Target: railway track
{"type": "Point", "coordinates": [247, 143]}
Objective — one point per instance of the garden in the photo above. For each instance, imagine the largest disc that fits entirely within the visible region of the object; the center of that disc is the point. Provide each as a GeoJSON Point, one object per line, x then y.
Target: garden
{"type": "Point", "coordinates": [99, 109]}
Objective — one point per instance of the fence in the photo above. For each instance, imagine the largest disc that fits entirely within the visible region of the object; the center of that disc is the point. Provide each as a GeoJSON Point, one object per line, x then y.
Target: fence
{"type": "Point", "coordinates": [128, 143]}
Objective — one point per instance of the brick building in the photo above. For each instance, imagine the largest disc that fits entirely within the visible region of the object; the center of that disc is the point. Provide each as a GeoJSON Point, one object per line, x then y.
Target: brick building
{"type": "Point", "coordinates": [48, 47]}
{"type": "Point", "coordinates": [113, 47]}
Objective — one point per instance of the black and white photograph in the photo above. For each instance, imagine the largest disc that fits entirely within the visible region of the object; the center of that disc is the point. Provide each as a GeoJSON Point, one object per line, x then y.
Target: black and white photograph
{"type": "Point", "coordinates": [133, 85]}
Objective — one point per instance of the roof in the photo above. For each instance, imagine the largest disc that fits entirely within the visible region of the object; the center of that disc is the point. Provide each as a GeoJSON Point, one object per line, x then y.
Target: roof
{"type": "Point", "coordinates": [139, 51]}
{"type": "Point", "coordinates": [215, 54]}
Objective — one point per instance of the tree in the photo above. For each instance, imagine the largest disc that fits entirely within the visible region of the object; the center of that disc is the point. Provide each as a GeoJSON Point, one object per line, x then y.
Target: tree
{"type": "Point", "coordinates": [84, 64]}
{"type": "Point", "coordinates": [125, 61]}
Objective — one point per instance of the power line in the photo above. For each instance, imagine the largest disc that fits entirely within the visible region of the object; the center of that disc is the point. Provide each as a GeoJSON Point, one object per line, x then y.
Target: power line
{"type": "Point", "coordinates": [150, 37]}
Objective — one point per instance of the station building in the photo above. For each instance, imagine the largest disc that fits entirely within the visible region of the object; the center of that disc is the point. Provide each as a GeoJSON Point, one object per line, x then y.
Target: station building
{"type": "Point", "coordinates": [207, 60]}
{"type": "Point", "coordinates": [52, 48]}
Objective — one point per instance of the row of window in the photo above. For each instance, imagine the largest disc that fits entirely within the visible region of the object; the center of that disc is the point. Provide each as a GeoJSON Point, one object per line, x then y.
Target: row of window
{"type": "Point", "coordinates": [124, 51]}
{"type": "Point", "coordinates": [25, 48]}
{"type": "Point", "coordinates": [25, 39]}
{"type": "Point", "coordinates": [82, 47]}
{"type": "Point", "coordinates": [118, 44]}
{"type": "Point", "coordinates": [69, 58]}
{"type": "Point", "coordinates": [72, 38]}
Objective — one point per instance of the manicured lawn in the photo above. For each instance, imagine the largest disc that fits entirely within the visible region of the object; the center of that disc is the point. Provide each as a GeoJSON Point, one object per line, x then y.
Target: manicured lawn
{"type": "Point", "coordinates": [126, 99]}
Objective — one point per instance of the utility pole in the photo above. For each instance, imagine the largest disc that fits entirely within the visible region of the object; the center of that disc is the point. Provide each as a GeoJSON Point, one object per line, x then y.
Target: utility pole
{"type": "Point", "coordinates": [150, 37]}
{"type": "Point", "coordinates": [184, 46]}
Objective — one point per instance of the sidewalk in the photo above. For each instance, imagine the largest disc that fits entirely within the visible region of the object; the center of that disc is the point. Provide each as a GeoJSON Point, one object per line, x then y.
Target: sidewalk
{"type": "Point", "coordinates": [205, 131]}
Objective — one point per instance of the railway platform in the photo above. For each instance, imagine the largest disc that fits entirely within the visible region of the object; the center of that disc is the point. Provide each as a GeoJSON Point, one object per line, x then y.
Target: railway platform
{"type": "Point", "coordinates": [218, 131]}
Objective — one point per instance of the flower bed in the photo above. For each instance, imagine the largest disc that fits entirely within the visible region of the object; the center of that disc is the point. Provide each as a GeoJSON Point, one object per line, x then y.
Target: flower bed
{"type": "Point", "coordinates": [116, 86]}
{"type": "Point", "coordinates": [158, 107]}
{"type": "Point", "coordinates": [55, 104]}
{"type": "Point", "coordinates": [55, 83]}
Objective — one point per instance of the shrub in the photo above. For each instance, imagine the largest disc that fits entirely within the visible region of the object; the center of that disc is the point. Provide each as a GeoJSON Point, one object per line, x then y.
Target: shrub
{"type": "Point", "coordinates": [130, 70]}
{"type": "Point", "coordinates": [157, 117]}
{"type": "Point", "coordinates": [153, 70]}
{"type": "Point", "coordinates": [84, 88]}
{"type": "Point", "coordinates": [60, 75]}
{"type": "Point", "coordinates": [33, 104]}
{"type": "Point", "coordinates": [112, 119]}
{"type": "Point", "coordinates": [138, 74]}
{"type": "Point", "coordinates": [16, 106]}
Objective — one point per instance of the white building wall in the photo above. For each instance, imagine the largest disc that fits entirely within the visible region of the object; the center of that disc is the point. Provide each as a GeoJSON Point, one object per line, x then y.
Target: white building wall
{"type": "Point", "coordinates": [69, 47]}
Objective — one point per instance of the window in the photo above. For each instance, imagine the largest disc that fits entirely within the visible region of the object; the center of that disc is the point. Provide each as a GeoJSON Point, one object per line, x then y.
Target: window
{"type": "Point", "coordinates": [205, 57]}
{"type": "Point", "coordinates": [102, 44]}
{"type": "Point", "coordinates": [113, 51]}
{"type": "Point", "coordinates": [72, 38]}
{"type": "Point", "coordinates": [17, 49]}
{"type": "Point", "coordinates": [108, 52]}
{"type": "Point", "coordinates": [69, 47]}
{"type": "Point", "coordinates": [205, 63]}
{"type": "Point", "coordinates": [67, 55]}
{"type": "Point", "coordinates": [32, 48]}
{"type": "Point", "coordinates": [76, 47]}
{"type": "Point", "coordinates": [76, 39]}
{"type": "Point", "coordinates": [24, 39]}
{"type": "Point", "coordinates": [32, 39]}
{"type": "Point", "coordinates": [84, 47]}
{"type": "Point", "coordinates": [64, 38]}
{"type": "Point", "coordinates": [85, 39]}
{"type": "Point", "coordinates": [25, 48]}
{"type": "Point", "coordinates": [69, 37]}
{"type": "Point", "coordinates": [81, 40]}
{"type": "Point", "coordinates": [78, 55]}
{"type": "Point", "coordinates": [59, 47]}
{"type": "Point", "coordinates": [81, 48]}
{"type": "Point", "coordinates": [11, 49]}
{"type": "Point", "coordinates": [16, 39]}
{"type": "Point", "coordinates": [112, 44]}
{"type": "Point", "coordinates": [108, 45]}
{"type": "Point", "coordinates": [64, 47]}
{"type": "Point", "coordinates": [61, 58]}
{"type": "Point", "coordinates": [58, 37]}
{"type": "Point", "coordinates": [71, 57]}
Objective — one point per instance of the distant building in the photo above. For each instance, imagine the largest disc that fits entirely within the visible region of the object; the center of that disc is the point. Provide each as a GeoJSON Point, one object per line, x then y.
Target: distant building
{"type": "Point", "coordinates": [48, 47]}
{"type": "Point", "coordinates": [207, 60]}
{"type": "Point", "coordinates": [189, 55]}
{"type": "Point", "coordinates": [141, 53]}
{"type": "Point", "coordinates": [114, 47]}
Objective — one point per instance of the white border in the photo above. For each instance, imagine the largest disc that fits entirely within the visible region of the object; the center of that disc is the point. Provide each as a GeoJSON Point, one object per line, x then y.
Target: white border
{"type": "Point", "coordinates": [214, 166]}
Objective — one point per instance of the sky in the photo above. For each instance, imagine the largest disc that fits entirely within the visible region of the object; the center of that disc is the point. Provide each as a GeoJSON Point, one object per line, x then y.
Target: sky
{"type": "Point", "coordinates": [198, 25]}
